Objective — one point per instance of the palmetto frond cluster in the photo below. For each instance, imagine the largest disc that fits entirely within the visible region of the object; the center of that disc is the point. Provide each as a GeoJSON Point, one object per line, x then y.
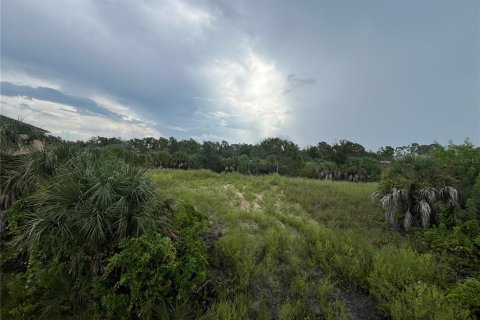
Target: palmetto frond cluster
{"type": "Point", "coordinates": [421, 206]}
{"type": "Point", "coordinates": [21, 175]}
{"type": "Point", "coordinates": [415, 190]}
{"type": "Point", "coordinates": [95, 200]}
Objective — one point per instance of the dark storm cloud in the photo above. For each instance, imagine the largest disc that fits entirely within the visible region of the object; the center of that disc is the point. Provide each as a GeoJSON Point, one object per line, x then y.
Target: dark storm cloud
{"type": "Point", "coordinates": [371, 71]}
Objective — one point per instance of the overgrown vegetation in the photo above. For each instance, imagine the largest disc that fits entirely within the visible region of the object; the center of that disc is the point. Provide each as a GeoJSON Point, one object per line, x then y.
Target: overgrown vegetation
{"type": "Point", "coordinates": [87, 233]}
{"type": "Point", "coordinates": [275, 231]}
{"type": "Point", "coordinates": [89, 236]}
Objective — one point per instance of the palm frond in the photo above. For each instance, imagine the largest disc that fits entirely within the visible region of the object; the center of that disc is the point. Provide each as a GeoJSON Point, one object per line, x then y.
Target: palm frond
{"type": "Point", "coordinates": [391, 216]}
{"type": "Point", "coordinates": [397, 195]}
{"type": "Point", "coordinates": [425, 211]}
{"type": "Point", "coordinates": [450, 195]}
{"type": "Point", "coordinates": [376, 195]}
{"type": "Point", "coordinates": [96, 201]}
{"type": "Point", "coordinates": [407, 222]}
{"type": "Point", "coordinates": [387, 201]}
{"type": "Point", "coordinates": [429, 194]}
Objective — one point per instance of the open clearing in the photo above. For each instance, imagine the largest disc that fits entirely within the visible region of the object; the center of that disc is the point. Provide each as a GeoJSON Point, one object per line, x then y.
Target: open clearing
{"type": "Point", "coordinates": [286, 246]}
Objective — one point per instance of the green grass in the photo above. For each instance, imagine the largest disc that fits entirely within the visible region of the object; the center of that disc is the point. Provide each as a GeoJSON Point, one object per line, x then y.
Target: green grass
{"type": "Point", "coordinates": [292, 248]}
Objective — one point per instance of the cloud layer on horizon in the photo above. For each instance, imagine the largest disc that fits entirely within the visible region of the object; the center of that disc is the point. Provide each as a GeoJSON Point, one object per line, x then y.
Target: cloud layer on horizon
{"type": "Point", "coordinates": [374, 72]}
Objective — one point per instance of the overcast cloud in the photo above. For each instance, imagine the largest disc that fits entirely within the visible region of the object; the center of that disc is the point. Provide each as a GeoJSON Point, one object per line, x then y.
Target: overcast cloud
{"type": "Point", "coordinates": [375, 72]}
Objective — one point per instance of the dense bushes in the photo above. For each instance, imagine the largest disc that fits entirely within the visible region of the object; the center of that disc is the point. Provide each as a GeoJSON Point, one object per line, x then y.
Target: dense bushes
{"type": "Point", "coordinates": [394, 270]}
{"type": "Point", "coordinates": [411, 286]}
{"type": "Point", "coordinates": [150, 274]}
{"type": "Point", "coordinates": [94, 238]}
{"type": "Point", "coordinates": [467, 294]}
{"type": "Point", "coordinates": [95, 200]}
{"type": "Point", "coordinates": [459, 247]}
{"type": "Point", "coordinates": [439, 190]}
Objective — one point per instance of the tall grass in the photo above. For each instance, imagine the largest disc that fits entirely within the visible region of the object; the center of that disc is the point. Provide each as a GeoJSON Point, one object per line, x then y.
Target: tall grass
{"type": "Point", "coordinates": [284, 238]}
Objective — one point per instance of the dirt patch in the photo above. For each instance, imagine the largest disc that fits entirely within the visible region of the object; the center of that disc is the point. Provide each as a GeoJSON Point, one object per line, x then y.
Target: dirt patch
{"type": "Point", "coordinates": [245, 205]}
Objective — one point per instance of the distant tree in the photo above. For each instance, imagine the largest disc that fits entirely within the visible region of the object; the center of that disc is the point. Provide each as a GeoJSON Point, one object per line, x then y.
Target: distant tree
{"type": "Point", "coordinates": [246, 149]}
{"type": "Point", "coordinates": [150, 143]}
{"type": "Point", "coordinates": [210, 156]}
{"type": "Point", "coordinates": [346, 149]}
{"type": "Point", "coordinates": [163, 143]}
{"type": "Point", "coordinates": [244, 164]}
{"type": "Point", "coordinates": [325, 151]}
{"type": "Point", "coordinates": [386, 153]}
{"type": "Point", "coordinates": [309, 153]}
{"type": "Point", "coordinates": [283, 152]}
{"type": "Point", "coordinates": [189, 147]}
{"type": "Point", "coordinates": [160, 159]}
{"type": "Point", "coordinates": [172, 145]}
{"type": "Point", "coordinates": [226, 150]}
{"type": "Point", "coordinates": [180, 160]}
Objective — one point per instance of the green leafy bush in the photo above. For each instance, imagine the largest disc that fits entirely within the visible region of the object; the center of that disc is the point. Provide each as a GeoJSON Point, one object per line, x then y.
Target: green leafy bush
{"type": "Point", "coordinates": [395, 270]}
{"type": "Point", "coordinates": [152, 271]}
{"type": "Point", "coordinates": [460, 247]}
{"type": "Point", "coordinates": [467, 294]}
{"type": "Point", "coordinates": [46, 290]}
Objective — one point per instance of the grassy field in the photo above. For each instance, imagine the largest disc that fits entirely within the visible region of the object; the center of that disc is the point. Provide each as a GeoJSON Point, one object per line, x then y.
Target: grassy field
{"type": "Point", "coordinates": [291, 248]}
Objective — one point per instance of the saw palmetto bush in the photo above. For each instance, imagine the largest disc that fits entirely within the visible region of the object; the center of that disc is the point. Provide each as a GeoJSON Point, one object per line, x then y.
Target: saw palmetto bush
{"type": "Point", "coordinates": [21, 175]}
{"type": "Point", "coordinates": [92, 201]}
{"type": "Point", "coordinates": [25, 173]}
{"type": "Point", "coordinates": [415, 191]}
{"type": "Point", "coordinates": [65, 232]}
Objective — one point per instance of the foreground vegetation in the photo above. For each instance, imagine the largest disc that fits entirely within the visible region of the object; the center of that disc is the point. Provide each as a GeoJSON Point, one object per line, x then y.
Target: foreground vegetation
{"type": "Point", "coordinates": [294, 248]}
{"type": "Point", "coordinates": [89, 234]}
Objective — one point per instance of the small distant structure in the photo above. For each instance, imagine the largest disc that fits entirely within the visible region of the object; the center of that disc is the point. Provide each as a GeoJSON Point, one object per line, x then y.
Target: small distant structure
{"type": "Point", "coordinates": [384, 162]}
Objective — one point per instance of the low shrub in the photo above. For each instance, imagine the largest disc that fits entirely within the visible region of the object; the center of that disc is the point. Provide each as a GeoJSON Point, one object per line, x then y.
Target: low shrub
{"type": "Point", "coordinates": [458, 247]}
{"type": "Point", "coordinates": [398, 273]}
{"type": "Point", "coordinates": [152, 271]}
{"type": "Point", "coordinates": [422, 300]}
{"type": "Point", "coordinates": [239, 250]}
{"type": "Point", "coordinates": [467, 294]}
{"type": "Point", "coordinates": [235, 309]}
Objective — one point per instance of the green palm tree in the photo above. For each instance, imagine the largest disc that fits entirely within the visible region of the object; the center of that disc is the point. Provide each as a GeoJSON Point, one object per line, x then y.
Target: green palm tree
{"type": "Point", "coordinates": [413, 189]}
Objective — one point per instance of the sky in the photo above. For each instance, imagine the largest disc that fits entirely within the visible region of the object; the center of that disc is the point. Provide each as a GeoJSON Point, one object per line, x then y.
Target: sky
{"type": "Point", "coordinates": [374, 72]}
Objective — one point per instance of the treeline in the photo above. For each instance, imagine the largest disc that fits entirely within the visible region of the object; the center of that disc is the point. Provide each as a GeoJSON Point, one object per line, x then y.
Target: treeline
{"type": "Point", "coordinates": [345, 160]}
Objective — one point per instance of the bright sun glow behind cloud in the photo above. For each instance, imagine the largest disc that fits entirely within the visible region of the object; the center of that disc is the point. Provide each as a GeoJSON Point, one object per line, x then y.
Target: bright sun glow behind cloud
{"type": "Point", "coordinates": [248, 94]}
